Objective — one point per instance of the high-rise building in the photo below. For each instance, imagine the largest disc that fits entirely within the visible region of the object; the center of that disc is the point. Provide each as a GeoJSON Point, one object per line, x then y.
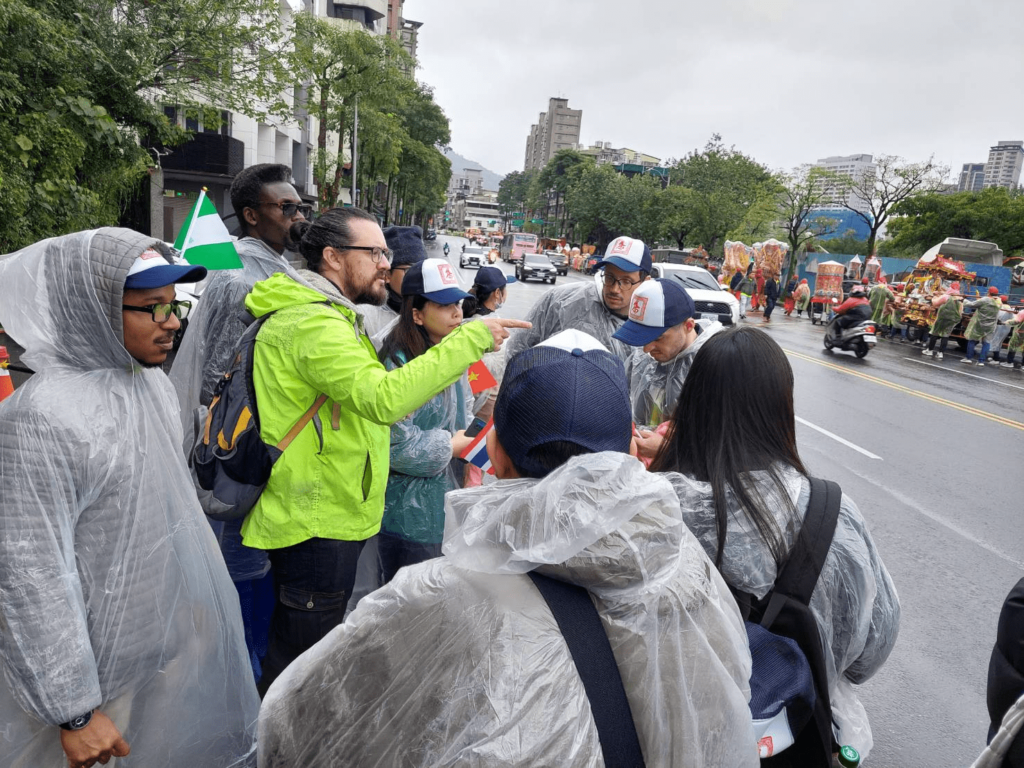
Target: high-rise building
{"type": "Point", "coordinates": [558, 128]}
{"type": "Point", "coordinates": [1004, 164]}
{"type": "Point", "coordinates": [857, 167]}
{"type": "Point", "coordinates": [972, 177]}
{"type": "Point", "coordinates": [405, 31]}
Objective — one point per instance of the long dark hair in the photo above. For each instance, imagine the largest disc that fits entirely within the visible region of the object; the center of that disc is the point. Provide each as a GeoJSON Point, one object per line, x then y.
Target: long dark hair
{"type": "Point", "coordinates": [330, 230]}
{"type": "Point", "coordinates": [406, 336]}
{"type": "Point", "coordinates": [735, 415]}
{"type": "Point", "coordinates": [474, 305]}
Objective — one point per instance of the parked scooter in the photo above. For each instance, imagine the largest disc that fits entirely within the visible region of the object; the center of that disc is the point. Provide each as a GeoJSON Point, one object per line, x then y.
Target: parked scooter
{"type": "Point", "coordinates": [857, 338]}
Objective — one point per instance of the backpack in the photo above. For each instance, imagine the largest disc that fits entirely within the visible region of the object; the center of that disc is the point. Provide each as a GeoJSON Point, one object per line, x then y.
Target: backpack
{"type": "Point", "coordinates": [789, 696]}
{"type": "Point", "coordinates": [230, 461]}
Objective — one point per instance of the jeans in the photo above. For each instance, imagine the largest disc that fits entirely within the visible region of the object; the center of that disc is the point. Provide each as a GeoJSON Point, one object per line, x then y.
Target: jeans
{"type": "Point", "coordinates": [769, 306]}
{"type": "Point", "coordinates": [394, 553]}
{"type": "Point", "coordinates": [314, 582]}
{"type": "Point", "coordinates": [984, 350]}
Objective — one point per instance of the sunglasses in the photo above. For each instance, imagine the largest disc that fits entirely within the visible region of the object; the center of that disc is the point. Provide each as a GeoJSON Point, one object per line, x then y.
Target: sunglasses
{"type": "Point", "coordinates": [162, 312]}
{"type": "Point", "coordinates": [290, 209]}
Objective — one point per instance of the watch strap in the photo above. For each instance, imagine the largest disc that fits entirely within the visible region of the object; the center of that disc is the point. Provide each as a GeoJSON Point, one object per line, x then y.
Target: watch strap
{"type": "Point", "coordinates": [77, 723]}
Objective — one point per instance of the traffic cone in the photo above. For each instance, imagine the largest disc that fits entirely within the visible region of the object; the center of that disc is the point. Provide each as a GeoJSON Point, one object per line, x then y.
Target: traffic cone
{"type": "Point", "coordinates": [6, 385]}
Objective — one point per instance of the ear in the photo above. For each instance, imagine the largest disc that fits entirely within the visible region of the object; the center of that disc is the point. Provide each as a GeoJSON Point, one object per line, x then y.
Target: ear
{"type": "Point", "coordinates": [250, 217]}
{"type": "Point", "coordinates": [503, 467]}
{"type": "Point", "coordinates": [417, 316]}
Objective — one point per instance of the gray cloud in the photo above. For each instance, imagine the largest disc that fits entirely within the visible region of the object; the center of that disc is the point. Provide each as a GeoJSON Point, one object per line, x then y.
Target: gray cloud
{"type": "Point", "coordinates": [786, 81]}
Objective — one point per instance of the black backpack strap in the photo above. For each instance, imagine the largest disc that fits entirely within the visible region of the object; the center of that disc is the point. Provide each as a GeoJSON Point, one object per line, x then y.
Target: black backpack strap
{"type": "Point", "coordinates": [581, 627]}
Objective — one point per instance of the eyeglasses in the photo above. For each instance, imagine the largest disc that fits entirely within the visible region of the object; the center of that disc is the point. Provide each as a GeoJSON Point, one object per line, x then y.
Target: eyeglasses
{"type": "Point", "coordinates": [162, 312]}
{"type": "Point", "coordinates": [376, 252]}
{"type": "Point", "coordinates": [289, 209]}
{"type": "Point", "coordinates": [623, 283]}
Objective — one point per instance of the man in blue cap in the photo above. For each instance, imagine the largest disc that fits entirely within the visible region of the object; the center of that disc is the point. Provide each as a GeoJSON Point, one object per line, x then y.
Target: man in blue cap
{"type": "Point", "coordinates": [626, 264]}
{"type": "Point", "coordinates": [662, 324]}
{"type": "Point", "coordinates": [406, 246]}
{"type": "Point", "coordinates": [462, 658]}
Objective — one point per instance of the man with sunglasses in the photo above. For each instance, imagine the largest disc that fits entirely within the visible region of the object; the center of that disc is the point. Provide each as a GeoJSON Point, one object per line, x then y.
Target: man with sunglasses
{"type": "Point", "coordinates": [267, 205]}
{"type": "Point", "coordinates": [626, 264]}
{"type": "Point", "coordinates": [406, 246]}
{"type": "Point", "coordinates": [119, 627]}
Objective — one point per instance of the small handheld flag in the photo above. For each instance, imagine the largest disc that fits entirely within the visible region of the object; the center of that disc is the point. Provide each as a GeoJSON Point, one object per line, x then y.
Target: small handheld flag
{"type": "Point", "coordinates": [204, 240]}
{"type": "Point", "coordinates": [480, 378]}
{"type": "Point", "coordinates": [476, 453]}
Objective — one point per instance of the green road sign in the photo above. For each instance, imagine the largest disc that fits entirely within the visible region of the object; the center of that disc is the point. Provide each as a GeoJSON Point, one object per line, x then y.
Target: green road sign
{"type": "Point", "coordinates": [536, 221]}
{"type": "Point", "coordinates": [518, 222]}
{"type": "Point", "coordinates": [519, 215]}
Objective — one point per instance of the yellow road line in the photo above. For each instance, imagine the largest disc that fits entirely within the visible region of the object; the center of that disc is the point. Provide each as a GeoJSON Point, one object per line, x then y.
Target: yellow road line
{"type": "Point", "coordinates": [907, 390]}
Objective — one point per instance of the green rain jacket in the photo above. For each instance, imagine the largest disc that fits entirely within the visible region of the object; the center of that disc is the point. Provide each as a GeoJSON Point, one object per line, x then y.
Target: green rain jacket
{"type": "Point", "coordinates": [986, 313]}
{"type": "Point", "coordinates": [877, 298]}
{"type": "Point", "coordinates": [330, 483]}
{"type": "Point", "coordinates": [947, 317]}
{"type": "Point", "coordinates": [1017, 339]}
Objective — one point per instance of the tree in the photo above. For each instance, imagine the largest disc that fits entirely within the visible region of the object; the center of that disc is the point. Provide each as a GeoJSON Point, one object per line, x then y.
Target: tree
{"type": "Point", "coordinates": [800, 192]}
{"type": "Point", "coordinates": [555, 178]}
{"type": "Point", "coordinates": [513, 192]}
{"type": "Point", "coordinates": [724, 184]}
{"type": "Point", "coordinates": [678, 209]}
{"type": "Point", "coordinates": [605, 204]}
{"type": "Point", "coordinates": [894, 181]}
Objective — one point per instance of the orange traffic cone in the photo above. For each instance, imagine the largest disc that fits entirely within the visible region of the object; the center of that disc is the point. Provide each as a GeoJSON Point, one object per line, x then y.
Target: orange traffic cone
{"type": "Point", "coordinates": [6, 385]}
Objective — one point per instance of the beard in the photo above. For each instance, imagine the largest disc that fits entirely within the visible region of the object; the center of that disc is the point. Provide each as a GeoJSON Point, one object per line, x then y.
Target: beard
{"type": "Point", "coordinates": [373, 292]}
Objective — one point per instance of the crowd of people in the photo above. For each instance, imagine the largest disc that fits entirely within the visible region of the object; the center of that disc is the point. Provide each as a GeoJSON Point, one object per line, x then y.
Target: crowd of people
{"type": "Point", "coordinates": [378, 605]}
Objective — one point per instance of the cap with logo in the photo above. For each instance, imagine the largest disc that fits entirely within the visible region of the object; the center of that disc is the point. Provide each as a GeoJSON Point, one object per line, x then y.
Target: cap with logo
{"type": "Point", "coordinates": [492, 278]}
{"type": "Point", "coordinates": [628, 254]}
{"type": "Point", "coordinates": [434, 279]}
{"type": "Point", "coordinates": [153, 269]}
{"type": "Point", "coordinates": [405, 244]}
{"type": "Point", "coordinates": [568, 388]}
{"type": "Point", "coordinates": [656, 306]}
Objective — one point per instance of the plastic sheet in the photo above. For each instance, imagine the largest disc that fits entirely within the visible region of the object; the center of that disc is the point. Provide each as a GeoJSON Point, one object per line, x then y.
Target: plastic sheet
{"type": "Point", "coordinates": [737, 259]}
{"type": "Point", "coordinates": [458, 661]}
{"type": "Point", "coordinates": [114, 593]}
{"type": "Point", "coordinates": [769, 257]}
{"type": "Point", "coordinates": [855, 602]}
{"type": "Point", "coordinates": [579, 306]}
{"type": "Point", "coordinates": [654, 387]}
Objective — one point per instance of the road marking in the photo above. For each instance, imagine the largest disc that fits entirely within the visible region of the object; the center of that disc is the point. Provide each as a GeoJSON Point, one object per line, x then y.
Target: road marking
{"type": "Point", "coordinates": [907, 390]}
{"type": "Point", "coordinates": [962, 373]}
{"type": "Point", "coordinates": [838, 439]}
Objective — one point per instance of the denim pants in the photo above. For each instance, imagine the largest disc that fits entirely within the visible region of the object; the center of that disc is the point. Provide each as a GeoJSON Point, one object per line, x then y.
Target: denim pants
{"type": "Point", "coordinates": [394, 553]}
{"type": "Point", "coordinates": [314, 582]}
{"type": "Point", "coordinates": [984, 350]}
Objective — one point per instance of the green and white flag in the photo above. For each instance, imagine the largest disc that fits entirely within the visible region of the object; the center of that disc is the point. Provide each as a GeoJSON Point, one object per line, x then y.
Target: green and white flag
{"type": "Point", "coordinates": [204, 240]}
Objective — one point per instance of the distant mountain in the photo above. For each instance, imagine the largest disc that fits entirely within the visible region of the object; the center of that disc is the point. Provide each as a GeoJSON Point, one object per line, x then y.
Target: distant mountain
{"type": "Point", "coordinates": [491, 179]}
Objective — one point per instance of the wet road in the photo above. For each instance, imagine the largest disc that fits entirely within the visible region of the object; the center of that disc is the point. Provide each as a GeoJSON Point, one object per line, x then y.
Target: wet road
{"type": "Point", "coordinates": [930, 452]}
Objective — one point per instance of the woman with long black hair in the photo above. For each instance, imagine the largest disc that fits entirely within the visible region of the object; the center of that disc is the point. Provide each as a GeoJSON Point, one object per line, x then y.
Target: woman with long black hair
{"type": "Point", "coordinates": [744, 491]}
{"type": "Point", "coordinates": [424, 443]}
{"type": "Point", "coordinates": [488, 292]}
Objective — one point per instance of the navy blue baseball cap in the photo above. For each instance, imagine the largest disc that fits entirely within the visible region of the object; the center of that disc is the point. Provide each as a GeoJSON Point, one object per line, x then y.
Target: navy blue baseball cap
{"type": "Point", "coordinates": [492, 278]}
{"type": "Point", "coordinates": [628, 254]}
{"type": "Point", "coordinates": [568, 388]}
{"type": "Point", "coordinates": [656, 306]}
{"type": "Point", "coordinates": [406, 245]}
{"type": "Point", "coordinates": [154, 269]}
{"type": "Point", "coordinates": [435, 280]}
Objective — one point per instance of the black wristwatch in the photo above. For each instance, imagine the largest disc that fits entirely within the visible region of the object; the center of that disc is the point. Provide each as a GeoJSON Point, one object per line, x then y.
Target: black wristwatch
{"type": "Point", "coordinates": [77, 723]}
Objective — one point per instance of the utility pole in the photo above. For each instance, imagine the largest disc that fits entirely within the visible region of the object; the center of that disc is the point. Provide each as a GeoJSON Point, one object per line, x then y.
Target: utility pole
{"type": "Point", "coordinates": [355, 150]}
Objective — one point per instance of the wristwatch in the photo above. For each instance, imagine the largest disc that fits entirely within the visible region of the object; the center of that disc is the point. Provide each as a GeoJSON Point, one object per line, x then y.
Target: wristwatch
{"type": "Point", "coordinates": [77, 723]}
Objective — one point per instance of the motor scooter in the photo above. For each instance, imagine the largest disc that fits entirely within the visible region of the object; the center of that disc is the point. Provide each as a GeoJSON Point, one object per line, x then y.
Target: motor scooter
{"type": "Point", "coordinates": [446, 249]}
{"type": "Point", "coordinates": [857, 338]}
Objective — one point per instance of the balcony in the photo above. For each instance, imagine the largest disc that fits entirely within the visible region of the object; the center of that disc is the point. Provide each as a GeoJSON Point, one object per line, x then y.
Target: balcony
{"type": "Point", "coordinates": [209, 153]}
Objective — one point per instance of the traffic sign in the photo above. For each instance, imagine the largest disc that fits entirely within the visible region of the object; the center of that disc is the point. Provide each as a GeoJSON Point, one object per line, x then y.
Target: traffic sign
{"type": "Point", "coordinates": [519, 215]}
{"type": "Point", "coordinates": [536, 221]}
{"type": "Point", "coordinates": [518, 222]}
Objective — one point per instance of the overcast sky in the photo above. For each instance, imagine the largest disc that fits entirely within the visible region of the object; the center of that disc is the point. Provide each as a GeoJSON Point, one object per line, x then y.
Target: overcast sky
{"type": "Point", "coordinates": [785, 81]}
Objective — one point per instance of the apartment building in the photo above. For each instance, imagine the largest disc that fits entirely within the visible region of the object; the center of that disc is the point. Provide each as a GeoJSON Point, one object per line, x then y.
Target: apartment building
{"type": "Point", "coordinates": [558, 128]}
{"type": "Point", "coordinates": [1004, 164]}
{"type": "Point", "coordinates": [857, 167]}
{"type": "Point", "coordinates": [972, 178]}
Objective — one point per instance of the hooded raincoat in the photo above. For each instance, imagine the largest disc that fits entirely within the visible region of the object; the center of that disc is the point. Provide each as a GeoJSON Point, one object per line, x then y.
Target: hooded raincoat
{"type": "Point", "coordinates": [459, 661]}
{"type": "Point", "coordinates": [577, 305]}
{"type": "Point", "coordinates": [654, 387]}
{"type": "Point", "coordinates": [114, 594]}
{"type": "Point", "coordinates": [947, 317]}
{"type": "Point", "coordinates": [878, 297]}
{"type": "Point", "coordinates": [205, 355]}
{"type": "Point", "coordinates": [983, 321]}
{"type": "Point", "coordinates": [855, 602]}
{"type": "Point", "coordinates": [1017, 339]}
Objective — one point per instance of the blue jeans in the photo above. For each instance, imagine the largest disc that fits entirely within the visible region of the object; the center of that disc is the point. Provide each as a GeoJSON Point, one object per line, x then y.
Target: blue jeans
{"type": "Point", "coordinates": [314, 582]}
{"type": "Point", "coordinates": [984, 350]}
{"type": "Point", "coordinates": [394, 553]}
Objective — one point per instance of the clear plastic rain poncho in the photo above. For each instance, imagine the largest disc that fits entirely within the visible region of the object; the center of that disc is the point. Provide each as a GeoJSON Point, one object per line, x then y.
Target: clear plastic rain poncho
{"type": "Point", "coordinates": [421, 470]}
{"type": "Point", "coordinates": [206, 353]}
{"type": "Point", "coordinates": [577, 305]}
{"type": "Point", "coordinates": [458, 661]}
{"type": "Point", "coordinates": [654, 387]}
{"type": "Point", "coordinates": [855, 602]}
{"type": "Point", "coordinates": [114, 594]}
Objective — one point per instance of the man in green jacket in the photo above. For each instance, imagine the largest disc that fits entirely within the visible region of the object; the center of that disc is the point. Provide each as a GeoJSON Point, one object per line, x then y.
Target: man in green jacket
{"type": "Point", "coordinates": [325, 496]}
{"type": "Point", "coordinates": [983, 322]}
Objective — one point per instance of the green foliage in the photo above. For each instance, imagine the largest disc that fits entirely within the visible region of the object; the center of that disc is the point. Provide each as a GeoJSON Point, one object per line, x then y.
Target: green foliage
{"type": "Point", "coordinates": [848, 243]}
{"type": "Point", "coordinates": [994, 215]}
{"type": "Point", "coordinates": [514, 191]}
{"type": "Point", "coordinates": [800, 192]}
{"type": "Point", "coordinates": [605, 204]}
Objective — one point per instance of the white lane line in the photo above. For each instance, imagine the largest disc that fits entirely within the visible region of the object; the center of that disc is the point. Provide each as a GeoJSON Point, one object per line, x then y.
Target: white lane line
{"type": "Point", "coordinates": [963, 373]}
{"type": "Point", "coordinates": [838, 439]}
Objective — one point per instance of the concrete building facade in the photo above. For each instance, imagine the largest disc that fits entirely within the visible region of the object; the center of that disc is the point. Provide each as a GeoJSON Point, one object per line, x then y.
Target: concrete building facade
{"type": "Point", "coordinates": [558, 128]}
{"type": "Point", "coordinates": [857, 167]}
{"type": "Point", "coordinates": [1004, 164]}
{"type": "Point", "coordinates": [972, 178]}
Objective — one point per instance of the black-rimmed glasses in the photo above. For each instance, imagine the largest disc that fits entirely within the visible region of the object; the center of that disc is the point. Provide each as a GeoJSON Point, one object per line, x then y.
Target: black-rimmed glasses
{"type": "Point", "coordinates": [623, 283]}
{"type": "Point", "coordinates": [376, 252]}
{"type": "Point", "coordinates": [289, 209]}
{"type": "Point", "coordinates": [162, 312]}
